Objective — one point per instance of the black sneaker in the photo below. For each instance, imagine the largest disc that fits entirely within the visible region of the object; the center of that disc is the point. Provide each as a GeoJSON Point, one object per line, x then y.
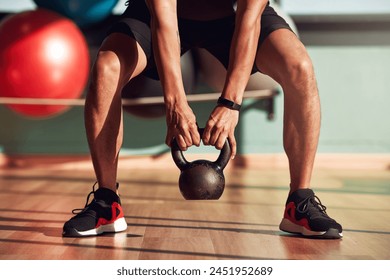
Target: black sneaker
{"type": "Point", "coordinates": [104, 214]}
{"type": "Point", "coordinates": [304, 214]}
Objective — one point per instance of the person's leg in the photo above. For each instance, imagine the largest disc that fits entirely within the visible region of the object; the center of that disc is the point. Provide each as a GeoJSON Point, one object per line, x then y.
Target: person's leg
{"type": "Point", "coordinates": [284, 58]}
{"type": "Point", "coordinates": [119, 59]}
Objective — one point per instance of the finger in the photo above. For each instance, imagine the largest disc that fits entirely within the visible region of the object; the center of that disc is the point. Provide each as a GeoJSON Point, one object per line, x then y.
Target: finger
{"type": "Point", "coordinates": [181, 143]}
{"type": "Point", "coordinates": [195, 136]}
{"type": "Point", "coordinates": [220, 142]}
{"type": "Point", "coordinates": [210, 133]}
{"type": "Point", "coordinates": [169, 138]}
{"type": "Point", "coordinates": [206, 134]}
{"type": "Point", "coordinates": [233, 145]}
{"type": "Point", "coordinates": [214, 135]}
{"type": "Point", "coordinates": [186, 135]}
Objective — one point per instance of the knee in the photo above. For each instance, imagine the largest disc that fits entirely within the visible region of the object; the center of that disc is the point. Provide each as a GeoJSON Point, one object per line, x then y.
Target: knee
{"type": "Point", "coordinates": [300, 72]}
{"type": "Point", "coordinates": [298, 80]}
{"type": "Point", "coordinates": [107, 66]}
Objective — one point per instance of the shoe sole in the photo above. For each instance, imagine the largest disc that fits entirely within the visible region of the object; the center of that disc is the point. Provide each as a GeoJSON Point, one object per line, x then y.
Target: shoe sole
{"type": "Point", "coordinates": [118, 226]}
{"type": "Point", "coordinates": [288, 226]}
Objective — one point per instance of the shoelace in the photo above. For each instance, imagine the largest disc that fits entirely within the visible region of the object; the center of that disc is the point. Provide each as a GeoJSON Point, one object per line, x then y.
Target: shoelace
{"type": "Point", "coordinates": [80, 210]}
{"type": "Point", "coordinates": [87, 203]}
{"type": "Point", "coordinates": [312, 204]}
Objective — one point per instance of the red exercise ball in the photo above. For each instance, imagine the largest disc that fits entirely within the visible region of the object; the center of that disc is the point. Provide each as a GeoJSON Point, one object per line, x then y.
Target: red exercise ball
{"type": "Point", "coordinates": [42, 55]}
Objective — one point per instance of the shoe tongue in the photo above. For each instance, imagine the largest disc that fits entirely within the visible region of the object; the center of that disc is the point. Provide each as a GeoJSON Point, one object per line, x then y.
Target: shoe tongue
{"type": "Point", "coordinates": [301, 194]}
{"type": "Point", "coordinates": [106, 195]}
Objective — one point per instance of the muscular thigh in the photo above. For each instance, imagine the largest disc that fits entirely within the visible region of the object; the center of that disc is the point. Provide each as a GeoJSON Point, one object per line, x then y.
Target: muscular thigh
{"type": "Point", "coordinates": [280, 53]}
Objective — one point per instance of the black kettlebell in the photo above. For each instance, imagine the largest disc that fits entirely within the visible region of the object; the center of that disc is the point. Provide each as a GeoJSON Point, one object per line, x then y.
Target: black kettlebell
{"type": "Point", "coordinates": [201, 179]}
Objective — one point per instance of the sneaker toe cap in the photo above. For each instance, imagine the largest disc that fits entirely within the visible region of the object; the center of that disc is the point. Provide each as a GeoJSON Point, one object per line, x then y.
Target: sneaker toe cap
{"type": "Point", "coordinates": [325, 225]}
{"type": "Point", "coordinates": [78, 225]}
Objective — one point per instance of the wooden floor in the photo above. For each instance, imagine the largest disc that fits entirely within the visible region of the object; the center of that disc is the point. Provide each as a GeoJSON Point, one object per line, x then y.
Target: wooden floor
{"type": "Point", "coordinates": [243, 224]}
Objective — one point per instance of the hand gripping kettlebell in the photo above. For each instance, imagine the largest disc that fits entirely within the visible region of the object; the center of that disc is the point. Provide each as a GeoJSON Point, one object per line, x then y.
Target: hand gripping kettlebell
{"type": "Point", "coordinates": [201, 179]}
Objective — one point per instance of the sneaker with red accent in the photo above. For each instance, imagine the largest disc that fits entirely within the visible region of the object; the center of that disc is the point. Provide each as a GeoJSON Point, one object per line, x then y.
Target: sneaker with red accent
{"type": "Point", "coordinates": [305, 214]}
{"type": "Point", "coordinates": [103, 215]}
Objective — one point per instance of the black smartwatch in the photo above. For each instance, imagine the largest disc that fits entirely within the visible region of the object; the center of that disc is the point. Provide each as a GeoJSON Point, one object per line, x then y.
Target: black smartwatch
{"type": "Point", "coordinates": [228, 104]}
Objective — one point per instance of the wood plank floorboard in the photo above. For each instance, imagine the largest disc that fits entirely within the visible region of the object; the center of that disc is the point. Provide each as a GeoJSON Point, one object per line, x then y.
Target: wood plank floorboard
{"type": "Point", "coordinates": [243, 224]}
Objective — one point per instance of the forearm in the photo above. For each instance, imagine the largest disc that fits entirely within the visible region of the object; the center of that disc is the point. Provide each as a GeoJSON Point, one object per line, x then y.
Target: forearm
{"type": "Point", "coordinates": [166, 47]}
{"type": "Point", "coordinates": [243, 49]}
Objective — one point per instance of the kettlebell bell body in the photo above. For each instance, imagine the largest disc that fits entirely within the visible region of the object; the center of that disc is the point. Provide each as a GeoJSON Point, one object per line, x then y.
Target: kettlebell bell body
{"type": "Point", "coordinates": [201, 179]}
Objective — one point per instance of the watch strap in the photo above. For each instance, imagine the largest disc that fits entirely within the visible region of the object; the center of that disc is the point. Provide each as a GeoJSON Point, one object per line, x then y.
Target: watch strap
{"type": "Point", "coordinates": [228, 104]}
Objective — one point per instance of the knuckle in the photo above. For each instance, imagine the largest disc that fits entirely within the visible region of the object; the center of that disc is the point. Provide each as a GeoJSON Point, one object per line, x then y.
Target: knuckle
{"type": "Point", "coordinates": [210, 123]}
{"type": "Point", "coordinates": [193, 125]}
{"type": "Point", "coordinates": [219, 126]}
{"type": "Point", "coordinates": [184, 127]}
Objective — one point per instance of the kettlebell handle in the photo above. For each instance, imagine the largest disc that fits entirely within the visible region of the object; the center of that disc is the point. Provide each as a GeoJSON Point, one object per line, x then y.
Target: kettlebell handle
{"type": "Point", "coordinates": [182, 163]}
